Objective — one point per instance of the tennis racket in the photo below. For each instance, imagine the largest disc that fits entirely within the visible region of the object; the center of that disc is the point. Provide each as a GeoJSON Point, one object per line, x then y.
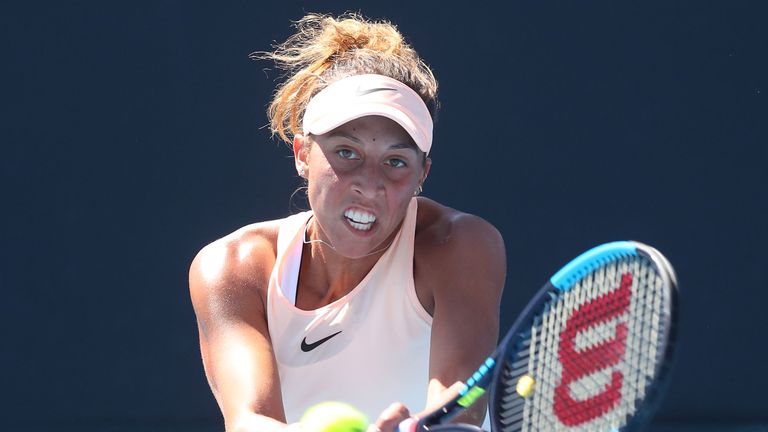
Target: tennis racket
{"type": "Point", "coordinates": [589, 352]}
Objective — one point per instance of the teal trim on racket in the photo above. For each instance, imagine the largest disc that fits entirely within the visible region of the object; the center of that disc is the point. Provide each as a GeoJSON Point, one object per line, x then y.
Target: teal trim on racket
{"type": "Point", "coordinates": [590, 260]}
{"type": "Point", "coordinates": [478, 376]}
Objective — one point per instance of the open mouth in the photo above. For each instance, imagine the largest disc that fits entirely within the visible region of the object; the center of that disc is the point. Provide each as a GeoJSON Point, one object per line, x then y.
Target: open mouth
{"type": "Point", "coordinates": [360, 220]}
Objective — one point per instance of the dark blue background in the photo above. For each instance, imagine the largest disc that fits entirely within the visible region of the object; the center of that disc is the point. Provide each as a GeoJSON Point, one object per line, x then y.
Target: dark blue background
{"type": "Point", "coordinates": [134, 134]}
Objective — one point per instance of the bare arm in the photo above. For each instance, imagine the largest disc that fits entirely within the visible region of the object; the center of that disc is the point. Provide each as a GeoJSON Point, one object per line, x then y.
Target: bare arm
{"type": "Point", "coordinates": [466, 273]}
{"type": "Point", "coordinates": [227, 283]}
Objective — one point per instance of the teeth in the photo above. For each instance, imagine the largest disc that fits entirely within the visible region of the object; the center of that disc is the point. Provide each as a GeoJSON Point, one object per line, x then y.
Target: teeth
{"type": "Point", "coordinates": [361, 227]}
{"type": "Point", "coordinates": [359, 219]}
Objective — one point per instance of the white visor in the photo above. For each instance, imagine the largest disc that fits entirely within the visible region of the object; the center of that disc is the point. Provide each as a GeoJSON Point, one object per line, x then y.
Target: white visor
{"type": "Point", "coordinates": [363, 95]}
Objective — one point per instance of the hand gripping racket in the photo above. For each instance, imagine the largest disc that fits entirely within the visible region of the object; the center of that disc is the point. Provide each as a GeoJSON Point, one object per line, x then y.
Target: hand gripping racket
{"type": "Point", "coordinates": [589, 352]}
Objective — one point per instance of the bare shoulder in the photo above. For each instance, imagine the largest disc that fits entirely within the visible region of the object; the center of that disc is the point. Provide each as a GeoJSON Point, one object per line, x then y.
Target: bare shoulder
{"type": "Point", "coordinates": [234, 267]}
{"type": "Point", "coordinates": [228, 281]}
{"type": "Point", "coordinates": [442, 232]}
{"type": "Point", "coordinates": [456, 252]}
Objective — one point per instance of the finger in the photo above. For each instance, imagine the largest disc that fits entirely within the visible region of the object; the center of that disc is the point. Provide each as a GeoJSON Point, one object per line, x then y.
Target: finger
{"type": "Point", "coordinates": [442, 398]}
{"type": "Point", "coordinates": [391, 417]}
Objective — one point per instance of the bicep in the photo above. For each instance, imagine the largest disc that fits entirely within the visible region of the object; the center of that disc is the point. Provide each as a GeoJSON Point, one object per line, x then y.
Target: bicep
{"type": "Point", "coordinates": [240, 367]}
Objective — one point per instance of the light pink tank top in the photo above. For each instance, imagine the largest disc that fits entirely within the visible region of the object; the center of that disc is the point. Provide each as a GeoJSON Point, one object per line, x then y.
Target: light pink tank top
{"type": "Point", "coordinates": [369, 348]}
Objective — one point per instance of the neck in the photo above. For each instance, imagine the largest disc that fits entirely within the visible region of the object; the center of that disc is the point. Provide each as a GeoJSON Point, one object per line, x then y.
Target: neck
{"type": "Point", "coordinates": [326, 275]}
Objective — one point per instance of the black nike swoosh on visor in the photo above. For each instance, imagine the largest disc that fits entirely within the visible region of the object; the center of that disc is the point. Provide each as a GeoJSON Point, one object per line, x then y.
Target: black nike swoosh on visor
{"type": "Point", "coordinates": [307, 347]}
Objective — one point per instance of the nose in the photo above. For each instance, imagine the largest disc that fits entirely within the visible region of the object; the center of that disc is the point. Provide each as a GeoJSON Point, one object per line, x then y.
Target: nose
{"type": "Point", "coordinates": [368, 182]}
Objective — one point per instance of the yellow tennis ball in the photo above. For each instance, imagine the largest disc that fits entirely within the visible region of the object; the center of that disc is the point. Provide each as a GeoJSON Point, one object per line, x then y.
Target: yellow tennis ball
{"type": "Point", "coordinates": [525, 385]}
{"type": "Point", "coordinates": [333, 417]}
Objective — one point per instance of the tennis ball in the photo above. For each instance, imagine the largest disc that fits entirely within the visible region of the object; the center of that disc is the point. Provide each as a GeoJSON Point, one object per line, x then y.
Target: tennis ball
{"type": "Point", "coordinates": [333, 417]}
{"type": "Point", "coordinates": [525, 385]}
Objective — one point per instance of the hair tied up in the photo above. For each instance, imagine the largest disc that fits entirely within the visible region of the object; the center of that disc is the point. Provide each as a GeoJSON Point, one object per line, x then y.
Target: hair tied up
{"type": "Point", "coordinates": [325, 49]}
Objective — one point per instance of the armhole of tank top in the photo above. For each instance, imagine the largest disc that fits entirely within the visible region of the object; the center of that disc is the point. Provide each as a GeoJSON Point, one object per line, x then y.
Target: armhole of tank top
{"type": "Point", "coordinates": [411, 289]}
{"type": "Point", "coordinates": [416, 304]}
{"type": "Point", "coordinates": [288, 284]}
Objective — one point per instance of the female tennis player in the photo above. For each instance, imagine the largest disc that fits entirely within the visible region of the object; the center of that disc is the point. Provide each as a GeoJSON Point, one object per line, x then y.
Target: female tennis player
{"type": "Point", "coordinates": [377, 296]}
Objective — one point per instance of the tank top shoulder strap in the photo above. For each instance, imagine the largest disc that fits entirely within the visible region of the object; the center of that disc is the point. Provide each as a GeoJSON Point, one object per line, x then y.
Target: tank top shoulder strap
{"type": "Point", "coordinates": [288, 257]}
{"type": "Point", "coordinates": [402, 258]}
{"type": "Point", "coordinates": [289, 228]}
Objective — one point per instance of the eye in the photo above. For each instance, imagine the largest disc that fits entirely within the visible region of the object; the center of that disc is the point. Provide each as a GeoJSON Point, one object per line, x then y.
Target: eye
{"type": "Point", "coordinates": [346, 153]}
{"type": "Point", "coordinates": [396, 163]}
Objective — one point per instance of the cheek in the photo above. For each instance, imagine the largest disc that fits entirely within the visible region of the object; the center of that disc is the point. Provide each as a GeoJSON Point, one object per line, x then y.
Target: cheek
{"type": "Point", "coordinates": [400, 193]}
{"type": "Point", "coordinates": [322, 181]}
{"type": "Point", "coordinates": [405, 183]}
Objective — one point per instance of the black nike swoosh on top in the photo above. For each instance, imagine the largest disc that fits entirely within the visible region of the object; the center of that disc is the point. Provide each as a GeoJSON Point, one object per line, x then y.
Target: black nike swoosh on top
{"type": "Point", "coordinates": [307, 347]}
{"type": "Point", "coordinates": [361, 92]}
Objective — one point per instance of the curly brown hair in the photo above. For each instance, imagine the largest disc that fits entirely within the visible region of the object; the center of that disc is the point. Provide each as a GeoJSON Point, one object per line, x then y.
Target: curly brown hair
{"type": "Point", "coordinates": [325, 49]}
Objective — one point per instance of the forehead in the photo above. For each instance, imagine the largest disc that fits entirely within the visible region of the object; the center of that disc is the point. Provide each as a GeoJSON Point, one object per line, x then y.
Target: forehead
{"type": "Point", "coordinates": [374, 130]}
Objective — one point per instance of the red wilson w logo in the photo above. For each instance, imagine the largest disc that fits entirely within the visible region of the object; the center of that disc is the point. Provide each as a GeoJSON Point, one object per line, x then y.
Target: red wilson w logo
{"type": "Point", "coordinates": [577, 364]}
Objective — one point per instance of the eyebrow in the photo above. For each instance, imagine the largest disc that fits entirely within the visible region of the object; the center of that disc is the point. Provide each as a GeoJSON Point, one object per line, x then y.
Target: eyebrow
{"type": "Point", "coordinates": [403, 145]}
{"type": "Point", "coordinates": [409, 145]}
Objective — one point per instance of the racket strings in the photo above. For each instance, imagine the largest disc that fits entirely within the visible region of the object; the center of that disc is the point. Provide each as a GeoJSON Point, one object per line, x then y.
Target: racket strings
{"type": "Point", "coordinates": [586, 374]}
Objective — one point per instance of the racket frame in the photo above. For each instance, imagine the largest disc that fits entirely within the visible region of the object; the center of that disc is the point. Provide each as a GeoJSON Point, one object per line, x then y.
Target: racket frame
{"type": "Point", "coordinates": [564, 280]}
{"type": "Point", "coordinates": [486, 378]}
